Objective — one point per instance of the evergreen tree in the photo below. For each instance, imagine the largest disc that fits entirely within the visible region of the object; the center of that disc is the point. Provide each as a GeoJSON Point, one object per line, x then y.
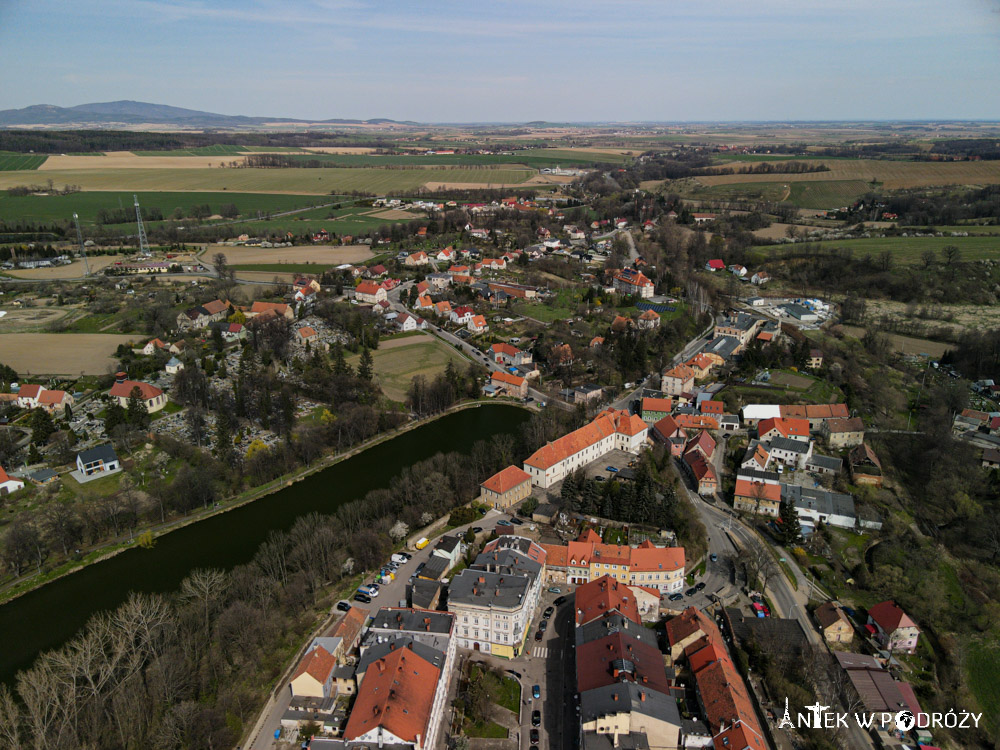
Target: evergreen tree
{"type": "Point", "coordinates": [366, 367]}
{"type": "Point", "coordinates": [136, 414]}
{"type": "Point", "coordinates": [114, 416]}
{"type": "Point", "coordinates": [791, 530]}
{"type": "Point", "coordinates": [217, 340]}
{"type": "Point", "coordinates": [339, 363]}
{"type": "Point", "coordinates": [42, 426]}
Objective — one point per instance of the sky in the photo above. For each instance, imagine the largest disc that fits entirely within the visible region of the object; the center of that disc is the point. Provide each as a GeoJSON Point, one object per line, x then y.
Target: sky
{"type": "Point", "coordinates": [512, 60]}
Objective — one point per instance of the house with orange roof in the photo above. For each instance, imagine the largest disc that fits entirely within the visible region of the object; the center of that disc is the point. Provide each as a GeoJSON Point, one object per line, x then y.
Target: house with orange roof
{"type": "Point", "coordinates": [505, 488]}
{"type": "Point", "coordinates": [596, 342]}
{"type": "Point", "coordinates": [202, 315]}
{"type": "Point", "coordinates": [395, 702]}
{"type": "Point", "coordinates": [418, 258]}
{"type": "Point", "coordinates": [649, 320]}
{"type": "Point", "coordinates": [702, 364]}
{"type": "Point", "coordinates": [723, 697]}
{"type": "Point", "coordinates": [477, 324]}
{"type": "Point", "coordinates": [424, 302]}
{"type": "Point", "coordinates": [621, 323]}
{"type": "Point", "coordinates": [602, 596]}
{"type": "Point", "coordinates": [512, 385]}
{"type": "Point", "coordinates": [370, 292]}
{"type": "Point", "coordinates": [816, 414]}
{"type": "Point", "coordinates": [561, 355]}
{"type": "Point", "coordinates": [508, 354]}
{"type": "Point", "coordinates": [154, 345]}
{"type": "Point", "coordinates": [27, 397]}
{"type": "Point", "coordinates": [313, 678]}
{"type": "Point", "coordinates": [588, 558]}
{"type": "Point", "coordinates": [758, 497]}
{"type": "Point", "coordinates": [667, 431]}
{"type": "Point", "coordinates": [38, 397]}
{"type": "Point", "coordinates": [677, 380]}
{"type": "Point", "coordinates": [655, 409]}
{"type": "Point", "coordinates": [700, 470]}
{"type": "Point", "coordinates": [443, 308]}
{"type": "Point", "coordinates": [8, 483]}
{"type": "Point", "coordinates": [612, 429]}
{"type": "Point", "coordinates": [630, 281]}
{"type": "Point", "coordinates": [276, 308]}
{"type": "Point", "coordinates": [691, 422]}
{"type": "Point", "coordinates": [793, 429]}
{"type": "Point", "coordinates": [152, 397]}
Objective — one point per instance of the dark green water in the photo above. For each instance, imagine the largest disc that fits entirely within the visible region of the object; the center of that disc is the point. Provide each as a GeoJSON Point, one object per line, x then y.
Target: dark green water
{"type": "Point", "coordinates": [48, 617]}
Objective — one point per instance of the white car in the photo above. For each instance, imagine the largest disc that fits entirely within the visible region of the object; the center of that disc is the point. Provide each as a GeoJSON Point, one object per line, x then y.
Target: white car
{"type": "Point", "coordinates": [400, 557]}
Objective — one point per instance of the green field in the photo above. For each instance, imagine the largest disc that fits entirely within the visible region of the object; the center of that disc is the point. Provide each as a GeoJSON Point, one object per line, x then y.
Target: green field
{"type": "Point", "coordinates": [907, 249]}
{"type": "Point", "coordinates": [827, 193]}
{"type": "Point", "coordinates": [10, 162]}
{"type": "Point", "coordinates": [528, 157]}
{"type": "Point", "coordinates": [983, 664]}
{"type": "Point", "coordinates": [49, 208]}
{"type": "Point", "coordinates": [283, 267]}
{"type": "Point", "coordinates": [398, 361]}
{"type": "Point", "coordinates": [773, 192]}
{"type": "Point", "coordinates": [217, 150]}
{"type": "Point", "coordinates": [297, 181]}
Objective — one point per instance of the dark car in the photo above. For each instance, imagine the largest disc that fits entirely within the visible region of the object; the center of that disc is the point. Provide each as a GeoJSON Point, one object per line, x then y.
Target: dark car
{"type": "Point", "coordinates": [420, 567]}
{"type": "Point", "coordinates": [343, 606]}
{"type": "Point", "coordinates": [676, 597]}
{"type": "Point", "coordinates": [559, 600]}
{"type": "Point", "coordinates": [536, 692]}
{"type": "Point", "coordinates": [548, 612]}
{"type": "Point", "coordinates": [691, 591]}
{"type": "Point", "coordinates": [700, 586]}
{"type": "Point", "coordinates": [482, 511]}
{"type": "Point", "coordinates": [538, 634]}
{"type": "Point", "coordinates": [536, 718]}
{"type": "Point", "coordinates": [504, 522]}
{"type": "Point", "coordinates": [516, 521]}
{"type": "Point", "coordinates": [543, 625]}
{"type": "Point", "coordinates": [363, 598]}
{"type": "Point", "coordinates": [514, 673]}
{"type": "Point", "coordinates": [534, 736]}
{"type": "Point", "coordinates": [477, 529]}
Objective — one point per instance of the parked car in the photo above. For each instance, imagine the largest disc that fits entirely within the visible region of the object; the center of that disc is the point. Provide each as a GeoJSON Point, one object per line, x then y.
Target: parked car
{"type": "Point", "coordinates": [713, 557]}
{"type": "Point", "coordinates": [599, 478]}
{"type": "Point", "coordinates": [538, 635]}
{"type": "Point", "coordinates": [543, 625]}
{"type": "Point", "coordinates": [536, 692]}
{"type": "Point", "coordinates": [400, 558]}
{"type": "Point", "coordinates": [534, 736]}
{"type": "Point", "coordinates": [691, 592]}
{"type": "Point", "coordinates": [548, 612]}
{"type": "Point", "coordinates": [612, 469]}
{"type": "Point", "coordinates": [676, 597]}
{"type": "Point", "coordinates": [555, 590]}
{"type": "Point", "coordinates": [700, 586]}
{"type": "Point", "coordinates": [536, 718]}
{"type": "Point", "coordinates": [516, 675]}
{"type": "Point", "coordinates": [516, 521]}
{"type": "Point", "coordinates": [477, 529]}
{"type": "Point", "coordinates": [364, 598]}
{"type": "Point", "coordinates": [504, 522]}
{"type": "Point", "coordinates": [343, 606]}
{"type": "Point", "coordinates": [559, 600]}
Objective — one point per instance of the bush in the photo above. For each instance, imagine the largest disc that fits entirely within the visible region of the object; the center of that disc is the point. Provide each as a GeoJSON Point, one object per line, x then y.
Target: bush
{"type": "Point", "coordinates": [528, 506]}
{"type": "Point", "coordinates": [462, 516]}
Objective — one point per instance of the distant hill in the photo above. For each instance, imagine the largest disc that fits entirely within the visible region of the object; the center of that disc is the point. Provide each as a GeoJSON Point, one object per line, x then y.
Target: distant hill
{"type": "Point", "coordinates": [104, 114]}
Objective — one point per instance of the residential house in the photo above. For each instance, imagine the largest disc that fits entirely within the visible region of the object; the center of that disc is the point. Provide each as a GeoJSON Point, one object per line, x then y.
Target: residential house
{"type": "Point", "coordinates": [154, 345]}
{"type": "Point", "coordinates": [815, 360]}
{"type": "Point", "coordinates": [152, 397]}
{"type": "Point", "coordinates": [612, 429]}
{"type": "Point", "coordinates": [737, 270]}
{"type": "Point", "coordinates": [740, 326]}
{"type": "Point", "coordinates": [8, 483]}
{"type": "Point", "coordinates": [649, 320]}
{"type": "Point", "coordinates": [418, 258]}
{"type": "Point", "coordinates": [232, 331]}
{"type": "Point", "coordinates": [406, 322]}
{"type": "Point", "coordinates": [443, 309]}
{"type": "Point", "coordinates": [370, 292]}
{"type": "Point", "coordinates": [39, 397]}
{"type": "Point", "coordinates": [702, 364]}
{"type": "Point", "coordinates": [202, 315]}
{"type": "Point", "coordinates": [266, 309]}
{"type": "Point", "coordinates": [653, 410]}
{"type": "Point", "coordinates": [506, 488]}
{"type": "Point", "coordinates": [667, 430]}
{"type": "Point", "coordinates": [448, 548]}
{"type": "Point", "coordinates": [757, 497]}
{"type": "Point", "coordinates": [843, 433]}
{"type": "Point", "coordinates": [792, 453]}
{"type": "Point", "coordinates": [101, 459]}
{"type": "Point", "coordinates": [892, 628]}
{"type": "Point", "coordinates": [677, 380]}
{"type": "Point", "coordinates": [702, 218]}
{"type": "Point", "coordinates": [701, 471]}
{"type": "Point", "coordinates": [313, 678]}
{"type": "Point", "coordinates": [833, 623]}
{"type": "Point", "coordinates": [477, 324]}
{"type": "Point", "coordinates": [424, 302]}
{"type": "Point", "coordinates": [588, 559]}
{"type": "Point", "coordinates": [823, 464]}
{"type": "Point", "coordinates": [760, 278]}
{"type": "Point", "coordinates": [27, 397]}
{"type": "Point", "coordinates": [690, 421]}
{"type": "Point", "coordinates": [814, 506]}
{"type": "Point", "coordinates": [562, 354]}
{"type": "Point", "coordinates": [174, 366]}
{"type": "Point", "coordinates": [462, 315]}
{"type": "Point", "coordinates": [715, 265]}
{"type": "Point", "coordinates": [512, 385]}
{"type": "Point", "coordinates": [991, 458]}
{"type": "Point", "coordinates": [509, 354]}
{"type": "Point", "coordinates": [792, 429]}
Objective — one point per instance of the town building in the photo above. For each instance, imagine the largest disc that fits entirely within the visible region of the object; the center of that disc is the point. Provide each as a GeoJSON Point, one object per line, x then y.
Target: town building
{"type": "Point", "coordinates": [587, 559]}
{"type": "Point", "coordinates": [202, 315]}
{"type": "Point", "coordinates": [864, 466]}
{"type": "Point", "coordinates": [630, 281]}
{"type": "Point", "coordinates": [34, 396]}
{"type": "Point", "coordinates": [512, 385]}
{"type": "Point", "coordinates": [506, 488]}
{"type": "Point", "coordinates": [814, 506]}
{"type": "Point", "coordinates": [677, 380]}
{"type": "Point", "coordinates": [843, 433]}
{"type": "Point", "coordinates": [8, 483]}
{"type": "Point", "coordinates": [612, 429]}
{"type": "Point", "coordinates": [370, 292]}
{"type": "Point", "coordinates": [653, 410]}
{"type": "Point", "coordinates": [758, 497]}
{"type": "Point", "coordinates": [101, 459]}
{"type": "Point", "coordinates": [508, 354]}
{"type": "Point", "coordinates": [833, 623]}
{"type": "Point", "coordinates": [494, 599]}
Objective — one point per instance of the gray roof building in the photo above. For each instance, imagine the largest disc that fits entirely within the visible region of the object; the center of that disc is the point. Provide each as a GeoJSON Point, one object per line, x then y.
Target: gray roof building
{"type": "Point", "coordinates": [787, 444]}
{"type": "Point", "coordinates": [723, 346]}
{"type": "Point", "coordinates": [627, 696]}
{"type": "Point", "coordinates": [103, 453]}
{"type": "Point", "coordinates": [482, 588]}
{"type": "Point", "coordinates": [411, 620]}
{"type": "Point", "coordinates": [614, 623]}
{"type": "Point", "coordinates": [827, 464]}
{"type": "Point", "coordinates": [434, 568]}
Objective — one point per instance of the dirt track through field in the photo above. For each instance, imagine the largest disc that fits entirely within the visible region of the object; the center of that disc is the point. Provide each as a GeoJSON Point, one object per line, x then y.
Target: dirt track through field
{"type": "Point", "coordinates": [326, 254]}
{"type": "Point", "coordinates": [72, 271]}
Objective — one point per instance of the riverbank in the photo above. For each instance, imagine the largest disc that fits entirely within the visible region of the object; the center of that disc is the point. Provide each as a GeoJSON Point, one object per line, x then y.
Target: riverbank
{"type": "Point", "coordinates": [111, 548]}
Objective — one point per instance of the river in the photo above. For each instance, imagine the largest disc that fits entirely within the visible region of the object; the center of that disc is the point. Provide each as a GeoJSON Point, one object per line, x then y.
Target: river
{"type": "Point", "coordinates": [49, 616]}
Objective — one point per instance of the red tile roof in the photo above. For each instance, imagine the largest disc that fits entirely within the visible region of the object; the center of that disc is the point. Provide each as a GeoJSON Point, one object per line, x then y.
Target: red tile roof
{"type": "Point", "coordinates": [696, 421]}
{"type": "Point", "coordinates": [786, 427]}
{"type": "Point", "coordinates": [596, 667]}
{"type": "Point", "coordinates": [713, 407]}
{"type": "Point", "coordinates": [589, 535]}
{"type": "Point", "coordinates": [658, 404]}
{"type": "Point", "coordinates": [690, 622]}
{"type": "Point", "coordinates": [746, 488]}
{"type": "Point", "coordinates": [52, 397]}
{"type": "Point", "coordinates": [603, 595]}
{"type": "Point", "coordinates": [397, 693]}
{"type": "Point", "coordinates": [5, 477]}
{"type": "Point", "coordinates": [124, 389]}
{"type": "Point", "coordinates": [702, 442]}
{"type": "Point", "coordinates": [507, 378]}
{"type": "Point", "coordinates": [307, 331]}
{"type": "Point", "coordinates": [260, 307]}
{"type": "Point", "coordinates": [854, 424]}
{"type": "Point", "coordinates": [700, 467]}
{"type": "Point", "coordinates": [30, 391]}
{"type": "Point", "coordinates": [715, 263]}
{"type": "Point", "coordinates": [349, 627]}
{"type": "Point", "coordinates": [319, 663]}
{"type": "Point", "coordinates": [556, 555]}
{"type": "Point", "coordinates": [506, 480]}
{"type": "Point", "coordinates": [681, 372]}
{"type": "Point", "coordinates": [508, 349]}
{"type": "Point", "coordinates": [889, 616]}
{"type": "Point", "coordinates": [815, 411]}
{"type": "Point", "coordinates": [666, 428]}
{"type": "Point", "coordinates": [367, 287]}
{"type": "Point", "coordinates": [215, 307]}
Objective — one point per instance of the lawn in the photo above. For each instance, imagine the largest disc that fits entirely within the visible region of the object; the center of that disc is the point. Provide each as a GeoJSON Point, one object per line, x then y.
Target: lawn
{"type": "Point", "coordinates": [293, 181]}
{"type": "Point", "coordinates": [215, 150]}
{"type": "Point", "coordinates": [10, 162]}
{"type": "Point", "coordinates": [49, 208]}
{"type": "Point", "coordinates": [398, 361]}
{"type": "Point", "coordinates": [827, 193]}
{"type": "Point", "coordinates": [505, 690]}
{"type": "Point", "coordinates": [909, 249]}
{"type": "Point", "coordinates": [983, 665]}
{"type": "Point", "coordinates": [487, 730]}
{"type": "Point", "coordinates": [541, 157]}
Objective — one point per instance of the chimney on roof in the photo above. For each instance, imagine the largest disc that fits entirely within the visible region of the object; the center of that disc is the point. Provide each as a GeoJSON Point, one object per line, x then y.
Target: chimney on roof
{"type": "Point", "coordinates": [642, 694]}
{"type": "Point", "coordinates": [614, 696]}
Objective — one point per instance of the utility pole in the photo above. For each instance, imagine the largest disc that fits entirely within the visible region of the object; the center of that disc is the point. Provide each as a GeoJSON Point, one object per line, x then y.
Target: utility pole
{"type": "Point", "coordinates": [143, 243]}
{"type": "Point", "coordinates": [83, 252]}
